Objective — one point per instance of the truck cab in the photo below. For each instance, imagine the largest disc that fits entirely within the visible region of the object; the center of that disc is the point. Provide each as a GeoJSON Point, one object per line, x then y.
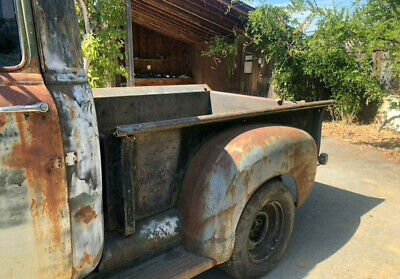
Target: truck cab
{"type": "Point", "coordinates": [147, 182]}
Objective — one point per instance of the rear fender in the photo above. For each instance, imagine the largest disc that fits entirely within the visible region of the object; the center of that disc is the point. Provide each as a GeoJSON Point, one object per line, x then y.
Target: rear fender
{"type": "Point", "coordinates": [225, 173]}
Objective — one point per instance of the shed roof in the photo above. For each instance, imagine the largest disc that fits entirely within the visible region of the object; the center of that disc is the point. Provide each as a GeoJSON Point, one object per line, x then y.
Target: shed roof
{"type": "Point", "coordinates": [190, 21]}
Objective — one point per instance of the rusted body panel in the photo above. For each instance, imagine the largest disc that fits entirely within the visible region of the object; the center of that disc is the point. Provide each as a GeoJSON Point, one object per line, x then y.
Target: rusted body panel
{"type": "Point", "coordinates": [80, 138]}
{"type": "Point", "coordinates": [35, 222]}
{"type": "Point", "coordinates": [35, 228]}
{"type": "Point", "coordinates": [227, 171]}
{"type": "Point", "coordinates": [62, 67]}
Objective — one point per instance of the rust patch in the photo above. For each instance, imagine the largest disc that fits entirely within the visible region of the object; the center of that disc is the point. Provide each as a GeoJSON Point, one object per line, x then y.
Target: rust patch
{"type": "Point", "coordinates": [87, 261]}
{"type": "Point", "coordinates": [40, 141]}
{"type": "Point", "coordinates": [36, 150]}
{"type": "Point", "coordinates": [3, 122]}
{"type": "Point", "coordinates": [10, 79]}
{"type": "Point", "coordinates": [20, 95]}
{"type": "Point", "coordinates": [86, 214]}
{"type": "Point", "coordinates": [303, 174]}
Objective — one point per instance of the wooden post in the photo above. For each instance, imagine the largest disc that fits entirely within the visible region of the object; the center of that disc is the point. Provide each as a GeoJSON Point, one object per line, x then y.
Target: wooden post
{"type": "Point", "coordinates": [130, 63]}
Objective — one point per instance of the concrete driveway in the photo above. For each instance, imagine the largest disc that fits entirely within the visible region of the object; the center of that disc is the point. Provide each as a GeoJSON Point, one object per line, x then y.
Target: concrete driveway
{"type": "Point", "coordinates": [350, 227]}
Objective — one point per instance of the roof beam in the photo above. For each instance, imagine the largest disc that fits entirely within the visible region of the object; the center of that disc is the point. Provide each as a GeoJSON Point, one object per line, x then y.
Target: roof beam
{"type": "Point", "coordinates": [150, 7]}
{"type": "Point", "coordinates": [235, 7]}
{"type": "Point", "coordinates": [175, 27]}
{"type": "Point", "coordinates": [165, 28]}
{"type": "Point", "coordinates": [192, 21]}
{"type": "Point", "coordinates": [166, 32]}
{"type": "Point", "coordinates": [201, 13]}
{"type": "Point", "coordinates": [218, 9]}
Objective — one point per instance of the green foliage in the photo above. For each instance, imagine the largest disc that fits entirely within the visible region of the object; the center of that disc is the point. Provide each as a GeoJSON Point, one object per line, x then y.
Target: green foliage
{"type": "Point", "coordinates": [329, 67]}
{"type": "Point", "coordinates": [103, 43]}
{"type": "Point", "coordinates": [223, 48]}
{"type": "Point", "coordinates": [334, 62]}
{"type": "Point", "coordinates": [378, 28]}
{"type": "Point", "coordinates": [270, 33]}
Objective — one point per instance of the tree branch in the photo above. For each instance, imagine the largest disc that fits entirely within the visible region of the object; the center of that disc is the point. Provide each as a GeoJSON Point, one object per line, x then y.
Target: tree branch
{"type": "Point", "coordinates": [387, 121]}
{"type": "Point", "coordinates": [85, 14]}
{"type": "Point", "coordinates": [88, 30]}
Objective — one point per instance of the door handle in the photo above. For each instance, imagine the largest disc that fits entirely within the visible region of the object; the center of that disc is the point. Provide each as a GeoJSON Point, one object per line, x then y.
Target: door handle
{"type": "Point", "coordinates": [39, 107]}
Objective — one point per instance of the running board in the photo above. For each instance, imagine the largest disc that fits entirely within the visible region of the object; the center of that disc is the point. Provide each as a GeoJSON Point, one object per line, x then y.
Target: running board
{"type": "Point", "coordinates": [177, 263]}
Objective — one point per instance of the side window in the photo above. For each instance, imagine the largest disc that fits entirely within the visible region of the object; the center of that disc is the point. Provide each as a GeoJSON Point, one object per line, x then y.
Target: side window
{"type": "Point", "coordinates": [10, 48]}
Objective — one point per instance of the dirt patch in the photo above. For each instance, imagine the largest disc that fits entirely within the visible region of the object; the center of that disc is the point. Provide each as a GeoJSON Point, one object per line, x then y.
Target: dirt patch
{"type": "Point", "coordinates": [366, 136]}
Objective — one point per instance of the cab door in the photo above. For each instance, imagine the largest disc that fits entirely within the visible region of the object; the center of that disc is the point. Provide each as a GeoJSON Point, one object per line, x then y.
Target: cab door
{"type": "Point", "coordinates": [35, 230]}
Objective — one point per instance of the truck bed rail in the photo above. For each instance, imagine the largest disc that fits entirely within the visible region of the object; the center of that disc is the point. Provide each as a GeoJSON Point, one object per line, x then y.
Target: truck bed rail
{"type": "Point", "coordinates": [129, 130]}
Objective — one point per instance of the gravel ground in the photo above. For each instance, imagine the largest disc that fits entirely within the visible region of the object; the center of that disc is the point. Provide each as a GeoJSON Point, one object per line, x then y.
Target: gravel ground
{"type": "Point", "coordinates": [366, 137]}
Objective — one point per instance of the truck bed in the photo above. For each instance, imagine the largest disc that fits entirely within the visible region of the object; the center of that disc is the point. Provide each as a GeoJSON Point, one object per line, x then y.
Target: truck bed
{"type": "Point", "coordinates": [145, 109]}
{"type": "Point", "coordinates": [148, 135]}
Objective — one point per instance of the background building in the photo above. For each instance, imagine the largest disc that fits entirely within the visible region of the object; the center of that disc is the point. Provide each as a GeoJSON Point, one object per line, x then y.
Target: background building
{"type": "Point", "coordinates": [170, 35]}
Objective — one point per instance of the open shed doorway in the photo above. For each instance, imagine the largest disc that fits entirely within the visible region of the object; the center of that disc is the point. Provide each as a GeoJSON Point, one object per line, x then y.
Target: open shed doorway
{"type": "Point", "coordinates": [169, 37]}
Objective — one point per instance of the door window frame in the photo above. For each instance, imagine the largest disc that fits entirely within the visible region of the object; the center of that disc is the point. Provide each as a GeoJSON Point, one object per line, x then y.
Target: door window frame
{"type": "Point", "coordinates": [25, 57]}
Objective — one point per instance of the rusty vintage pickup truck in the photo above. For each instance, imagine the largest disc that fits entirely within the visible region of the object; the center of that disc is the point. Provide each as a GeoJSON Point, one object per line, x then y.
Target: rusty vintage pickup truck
{"type": "Point", "coordinates": [142, 182]}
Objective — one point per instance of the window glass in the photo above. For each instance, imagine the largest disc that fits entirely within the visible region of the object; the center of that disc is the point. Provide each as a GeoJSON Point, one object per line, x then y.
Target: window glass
{"type": "Point", "coordinates": [10, 49]}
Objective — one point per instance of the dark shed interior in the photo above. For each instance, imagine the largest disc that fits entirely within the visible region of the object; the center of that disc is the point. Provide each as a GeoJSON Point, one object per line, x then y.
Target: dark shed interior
{"type": "Point", "coordinates": [169, 37]}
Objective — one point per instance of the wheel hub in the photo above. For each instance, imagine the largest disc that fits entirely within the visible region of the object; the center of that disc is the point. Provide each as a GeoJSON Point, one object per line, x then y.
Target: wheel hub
{"type": "Point", "coordinates": [266, 232]}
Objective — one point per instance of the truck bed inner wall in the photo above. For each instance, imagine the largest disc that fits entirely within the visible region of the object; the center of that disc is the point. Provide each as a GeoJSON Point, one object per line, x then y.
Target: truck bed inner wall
{"type": "Point", "coordinates": [143, 173]}
{"type": "Point", "coordinates": [116, 111]}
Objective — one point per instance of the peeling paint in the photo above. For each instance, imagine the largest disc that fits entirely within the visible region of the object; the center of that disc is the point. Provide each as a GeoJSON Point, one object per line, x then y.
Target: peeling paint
{"type": "Point", "coordinates": [166, 228]}
{"type": "Point", "coordinates": [81, 138]}
{"type": "Point", "coordinates": [54, 62]}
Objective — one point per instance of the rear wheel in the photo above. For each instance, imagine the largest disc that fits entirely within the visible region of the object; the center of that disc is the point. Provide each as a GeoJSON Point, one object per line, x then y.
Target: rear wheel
{"type": "Point", "coordinates": [263, 232]}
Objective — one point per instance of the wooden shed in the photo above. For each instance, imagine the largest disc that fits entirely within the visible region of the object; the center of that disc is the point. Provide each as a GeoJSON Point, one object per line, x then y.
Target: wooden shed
{"type": "Point", "coordinates": [170, 35]}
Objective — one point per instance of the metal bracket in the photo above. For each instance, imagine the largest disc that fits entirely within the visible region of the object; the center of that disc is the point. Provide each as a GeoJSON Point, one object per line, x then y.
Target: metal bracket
{"type": "Point", "coordinates": [70, 158]}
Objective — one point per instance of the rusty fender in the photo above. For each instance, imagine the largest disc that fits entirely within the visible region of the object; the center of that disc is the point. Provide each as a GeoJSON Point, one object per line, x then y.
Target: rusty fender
{"type": "Point", "coordinates": [225, 173]}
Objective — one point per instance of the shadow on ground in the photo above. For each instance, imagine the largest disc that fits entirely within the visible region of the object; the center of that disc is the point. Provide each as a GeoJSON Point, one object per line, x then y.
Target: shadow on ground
{"type": "Point", "coordinates": [325, 224]}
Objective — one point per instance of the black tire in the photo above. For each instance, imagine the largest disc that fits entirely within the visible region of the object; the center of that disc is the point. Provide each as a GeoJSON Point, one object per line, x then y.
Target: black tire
{"type": "Point", "coordinates": [263, 232]}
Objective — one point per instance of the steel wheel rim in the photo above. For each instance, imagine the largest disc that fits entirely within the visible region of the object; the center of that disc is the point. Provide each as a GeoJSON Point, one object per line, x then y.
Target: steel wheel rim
{"type": "Point", "coordinates": [266, 232]}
